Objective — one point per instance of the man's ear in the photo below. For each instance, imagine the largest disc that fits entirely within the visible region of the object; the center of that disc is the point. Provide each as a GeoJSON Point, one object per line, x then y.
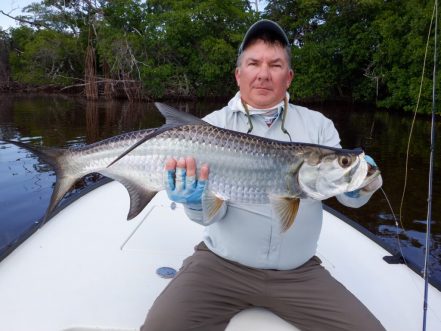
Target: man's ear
{"type": "Point", "coordinates": [290, 78]}
{"type": "Point", "coordinates": [237, 75]}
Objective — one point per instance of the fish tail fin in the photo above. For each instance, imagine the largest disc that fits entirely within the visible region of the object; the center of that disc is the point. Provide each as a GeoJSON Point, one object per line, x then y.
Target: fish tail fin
{"type": "Point", "coordinates": [54, 157]}
{"type": "Point", "coordinates": [62, 186]}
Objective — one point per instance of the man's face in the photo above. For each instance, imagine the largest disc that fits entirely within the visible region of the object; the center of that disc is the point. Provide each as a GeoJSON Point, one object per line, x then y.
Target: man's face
{"type": "Point", "coordinates": [264, 75]}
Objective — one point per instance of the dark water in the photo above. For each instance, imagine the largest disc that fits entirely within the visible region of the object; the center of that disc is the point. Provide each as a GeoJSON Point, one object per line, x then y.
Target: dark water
{"type": "Point", "coordinates": [26, 183]}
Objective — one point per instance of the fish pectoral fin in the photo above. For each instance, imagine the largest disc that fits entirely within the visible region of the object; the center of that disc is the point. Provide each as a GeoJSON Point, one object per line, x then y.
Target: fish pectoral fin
{"type": "Point", "coordinates": [131, 148]}
{"type": "Point", "coordinates": [211, 204]}
{"type": "Point", "coordinates": [285, 208]}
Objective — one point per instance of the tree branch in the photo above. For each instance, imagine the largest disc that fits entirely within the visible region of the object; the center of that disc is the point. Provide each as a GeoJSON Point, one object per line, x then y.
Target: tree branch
{"type": "Point", "coordinates": [22, 20]}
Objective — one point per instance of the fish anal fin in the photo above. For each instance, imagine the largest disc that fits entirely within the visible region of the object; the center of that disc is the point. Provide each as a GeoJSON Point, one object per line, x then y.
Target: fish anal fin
{"type": "Point", "coordinates": [285, 208]}
{"type": "Point", "coordinates": [138, 200]}
{"type": "Point", "coordinates": [211, 204]}
{"type": "Point", "coordinates": [139, 195]}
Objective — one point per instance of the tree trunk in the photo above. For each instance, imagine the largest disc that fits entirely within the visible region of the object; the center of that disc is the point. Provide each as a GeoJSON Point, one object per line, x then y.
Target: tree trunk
{"type": "Point", "coordinates": [90, 88]}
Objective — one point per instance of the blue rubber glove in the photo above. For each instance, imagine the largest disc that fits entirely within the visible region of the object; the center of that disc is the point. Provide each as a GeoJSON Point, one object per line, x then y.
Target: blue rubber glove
{"type": "Point", "coordinates": [185, 189]}
{"type": "Point", "coordinates": [356, 193]}
{"type": "Point", "coordinates": [370, 161]}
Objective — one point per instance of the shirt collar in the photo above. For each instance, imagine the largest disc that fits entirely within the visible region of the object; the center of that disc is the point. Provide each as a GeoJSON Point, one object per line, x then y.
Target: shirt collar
{"type": "Point", "coordinates": [235, 104]}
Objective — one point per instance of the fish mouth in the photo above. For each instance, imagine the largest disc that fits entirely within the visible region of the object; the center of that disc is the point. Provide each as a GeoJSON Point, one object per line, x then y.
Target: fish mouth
{"type": "Point", "coordinates": [373, 172]}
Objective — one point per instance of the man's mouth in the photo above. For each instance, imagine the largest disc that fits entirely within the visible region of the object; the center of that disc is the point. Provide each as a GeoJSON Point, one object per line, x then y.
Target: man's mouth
{"type": "Point", "coordinates": [262, 88]}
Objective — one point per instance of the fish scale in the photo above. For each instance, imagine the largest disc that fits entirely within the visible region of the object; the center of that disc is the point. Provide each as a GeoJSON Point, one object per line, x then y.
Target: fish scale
{"type": "Point", "coordinates": [243, 168]}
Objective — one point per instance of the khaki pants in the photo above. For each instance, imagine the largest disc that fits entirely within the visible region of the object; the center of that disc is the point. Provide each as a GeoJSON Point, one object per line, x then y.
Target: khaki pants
{"type": "Point", "coordinates": [209, 290]}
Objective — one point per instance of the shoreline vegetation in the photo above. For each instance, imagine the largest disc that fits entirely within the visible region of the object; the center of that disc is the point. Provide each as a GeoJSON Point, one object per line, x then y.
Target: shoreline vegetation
{"type": "Point", "coordinates": [368, 52]}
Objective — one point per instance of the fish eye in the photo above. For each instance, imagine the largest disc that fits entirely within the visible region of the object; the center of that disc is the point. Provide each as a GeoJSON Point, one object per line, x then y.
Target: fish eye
{"type": "Point", "coordinates": [344, 161]}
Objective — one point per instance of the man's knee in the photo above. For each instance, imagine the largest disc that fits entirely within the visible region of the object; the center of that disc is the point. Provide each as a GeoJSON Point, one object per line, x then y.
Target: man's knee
{"type": "Point", "coordinates": [164, 321]}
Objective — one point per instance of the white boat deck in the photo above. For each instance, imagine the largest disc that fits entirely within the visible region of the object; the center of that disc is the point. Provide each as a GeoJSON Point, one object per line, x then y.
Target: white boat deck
{"type": "Point", "coordinates": [89, 269]}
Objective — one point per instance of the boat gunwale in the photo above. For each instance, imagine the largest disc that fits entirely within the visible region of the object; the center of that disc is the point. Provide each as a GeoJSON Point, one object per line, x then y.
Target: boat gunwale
{"type": "Point", "coordinates": [105, 180]}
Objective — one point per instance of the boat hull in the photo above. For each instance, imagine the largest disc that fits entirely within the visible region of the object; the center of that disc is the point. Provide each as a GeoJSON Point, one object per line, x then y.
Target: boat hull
{"type": "Point", "coordinates": [88, 268]}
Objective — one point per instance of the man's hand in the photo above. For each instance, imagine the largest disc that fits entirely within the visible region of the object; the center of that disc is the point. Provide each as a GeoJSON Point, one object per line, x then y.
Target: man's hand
{"type": "Point", "coordinates": [377, 182]}
{"type": "Point", "coordinates": [181, 183]}
{"type": "Point", "coordinates": [372, 186]}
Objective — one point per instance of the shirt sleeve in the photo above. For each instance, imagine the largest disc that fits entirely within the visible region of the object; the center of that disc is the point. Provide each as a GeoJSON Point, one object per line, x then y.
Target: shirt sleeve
{"type": "Point", "coordinates": [330, 137]}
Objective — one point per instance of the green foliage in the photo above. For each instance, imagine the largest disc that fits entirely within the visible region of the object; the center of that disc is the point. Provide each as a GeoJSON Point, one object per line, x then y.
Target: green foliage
{"type": "Point", "coordinates": [176, 48]}
{"type": "Point", "coordinates": [4, 63]}
{"type": "Point", "coordinates": [333, 42]}
{"type": "Point", "coordinates": [45, 57]}
{"type": "Point", "coordinates": [368, 51]}
{"type": "Point", "coordinates": [199, 40]}
{"type": "Point", "coordinates": [214, 67]}
{"type": "Point", "coordinates": [359, 50]}
{"type": "Point", "coordinates": [403, 28]}
{"type": "Point", "coordinates": [155, 76]}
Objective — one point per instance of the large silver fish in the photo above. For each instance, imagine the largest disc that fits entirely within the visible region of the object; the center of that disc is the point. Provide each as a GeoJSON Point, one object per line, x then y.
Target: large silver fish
{"type": "Point", "coordinates": [243, 168]}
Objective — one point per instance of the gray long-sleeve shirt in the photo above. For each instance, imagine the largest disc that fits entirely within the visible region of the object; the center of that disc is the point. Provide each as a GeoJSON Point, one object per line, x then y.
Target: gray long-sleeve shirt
{"type": "Point", "coordinates": [249, 234]}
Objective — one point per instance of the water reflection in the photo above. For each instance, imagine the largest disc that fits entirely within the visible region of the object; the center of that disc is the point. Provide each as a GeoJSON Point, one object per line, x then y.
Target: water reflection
{"type": "Point", "coordinates": [92, 122]}
{"type": "Point", "coordinates": [26, 183]}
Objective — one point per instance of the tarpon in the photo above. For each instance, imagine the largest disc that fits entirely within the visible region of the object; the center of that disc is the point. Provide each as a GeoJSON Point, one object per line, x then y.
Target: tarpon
{"type": "Point", "coordinates": [243, 168]}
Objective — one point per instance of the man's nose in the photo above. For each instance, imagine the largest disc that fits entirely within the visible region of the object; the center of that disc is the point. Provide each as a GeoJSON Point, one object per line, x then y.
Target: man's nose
{"type": "Point", "coordinates": [263, 73]}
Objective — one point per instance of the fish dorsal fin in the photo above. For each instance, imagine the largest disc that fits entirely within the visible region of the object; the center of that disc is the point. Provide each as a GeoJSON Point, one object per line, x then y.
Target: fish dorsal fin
{"type": "Point", "coordinates": [174, 117]}
{"type": "Point", "coordinates": [285, 208]}
{"type": "Point", "coordinates": [140, 196]}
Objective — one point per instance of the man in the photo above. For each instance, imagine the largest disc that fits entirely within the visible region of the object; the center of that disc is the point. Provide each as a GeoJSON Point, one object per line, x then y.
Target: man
{"type": "Point", "coordinates": [244, 259]}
